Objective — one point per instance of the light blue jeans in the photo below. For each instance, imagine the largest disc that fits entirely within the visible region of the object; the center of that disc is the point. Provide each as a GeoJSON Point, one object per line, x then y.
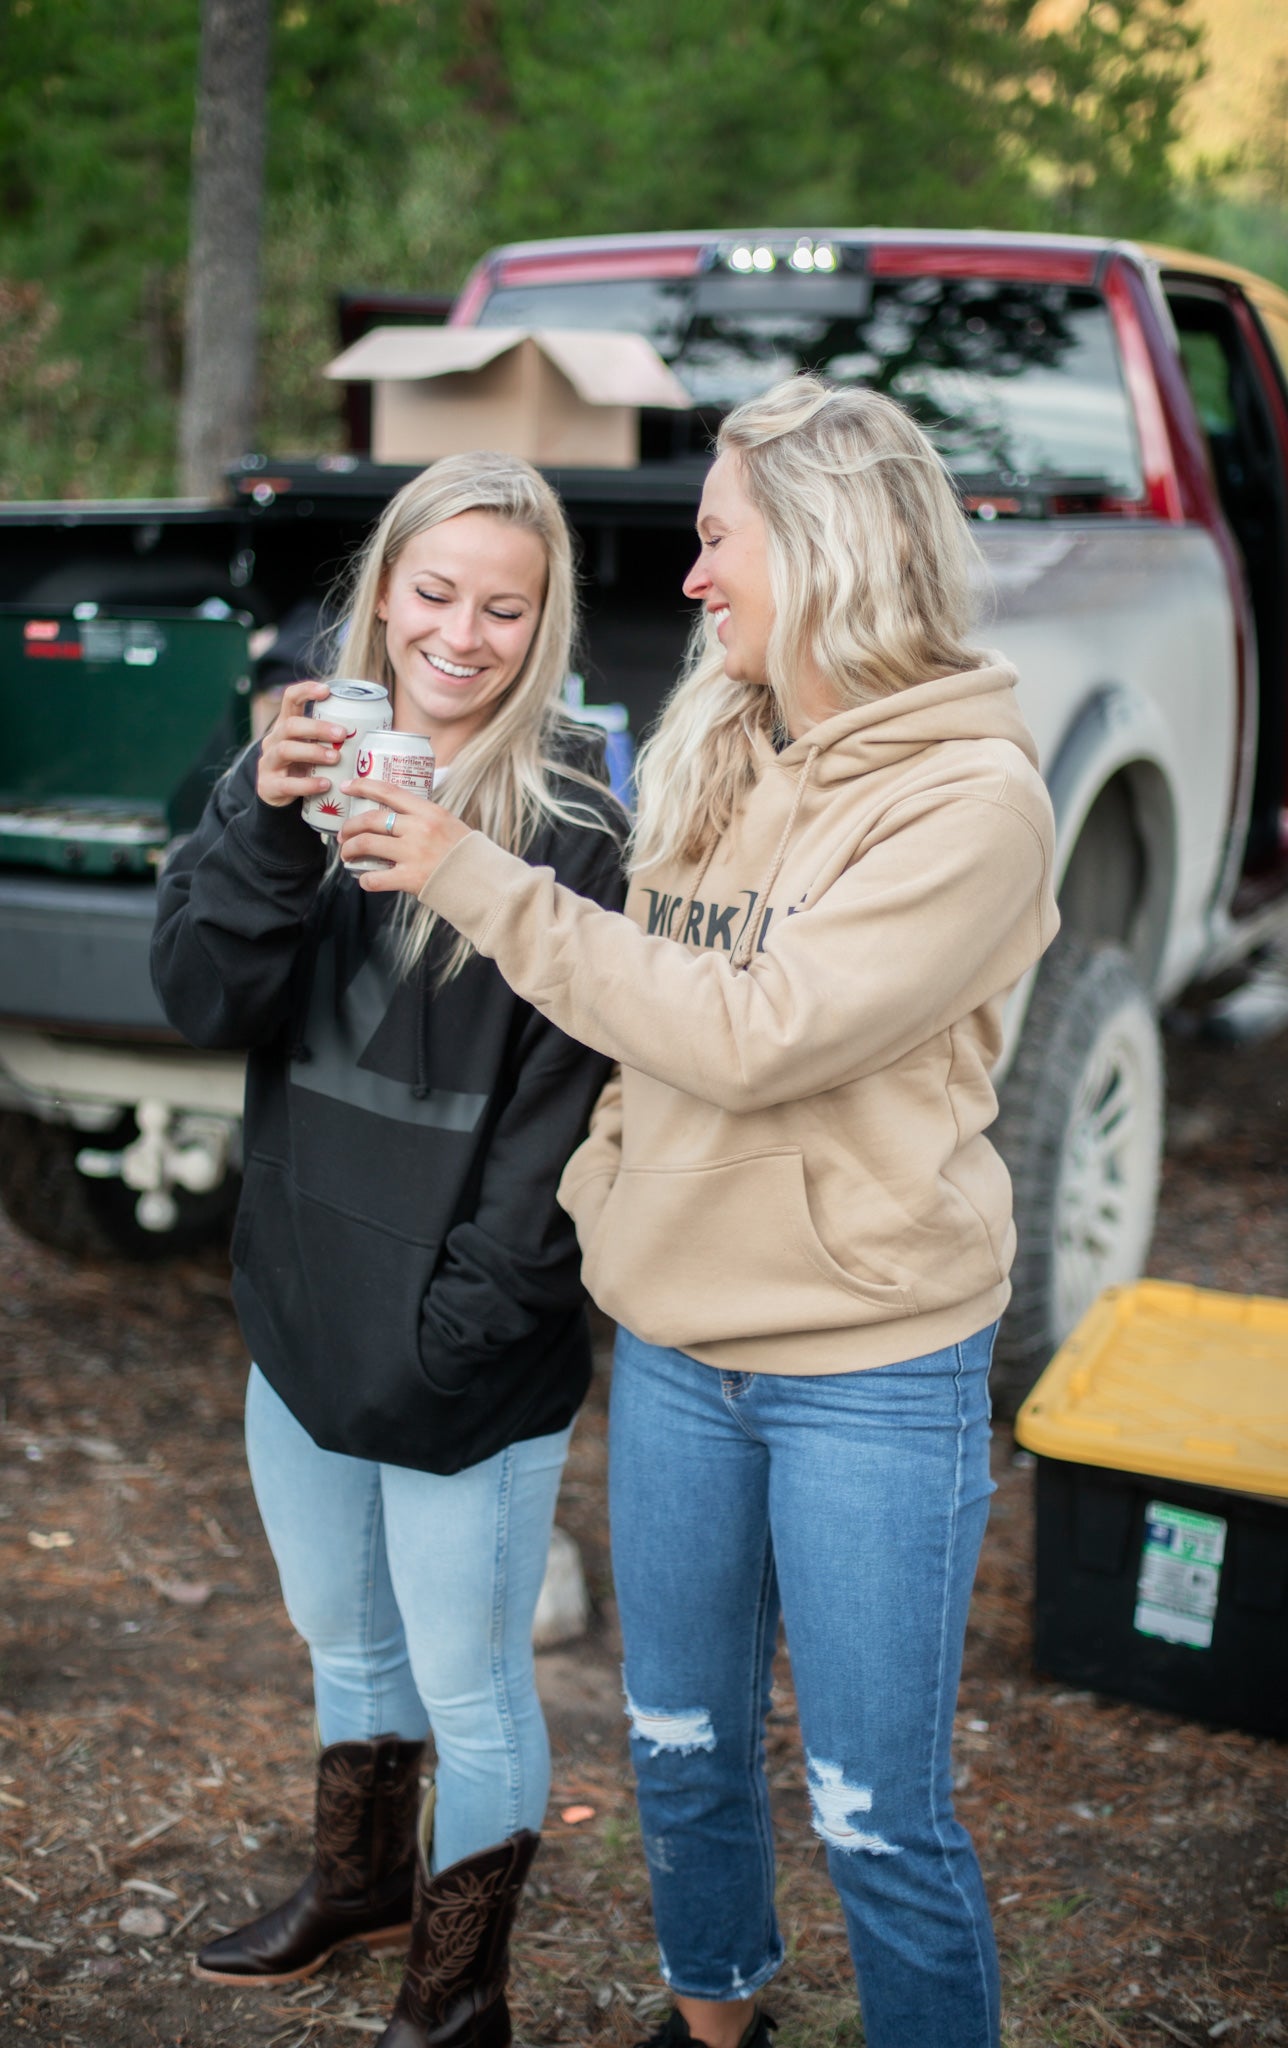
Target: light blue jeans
{"type": "Point", "coordinates": [415, 1594]}
{"type": "Point", "coordinates": [858, 1500]}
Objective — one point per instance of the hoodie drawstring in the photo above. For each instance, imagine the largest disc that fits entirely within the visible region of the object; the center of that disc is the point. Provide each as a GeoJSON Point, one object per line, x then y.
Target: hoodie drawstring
{"type": "Point", "coordinates": [741, 956]}
{"type": "Point", "coordinates": [687, 902]}
{"type": "Point", "coordinates": [421, 1086]}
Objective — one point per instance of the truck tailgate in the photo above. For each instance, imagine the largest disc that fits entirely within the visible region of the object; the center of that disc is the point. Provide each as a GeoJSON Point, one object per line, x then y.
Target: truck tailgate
{"type": "Point", "coordinates": [74, 954]}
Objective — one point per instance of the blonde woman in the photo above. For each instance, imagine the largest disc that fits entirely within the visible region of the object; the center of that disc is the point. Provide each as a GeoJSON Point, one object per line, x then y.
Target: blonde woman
{"type": "Point", "coordinates": [405, 1281]}
{"type": "Point", "coordinates": [787, 1199]}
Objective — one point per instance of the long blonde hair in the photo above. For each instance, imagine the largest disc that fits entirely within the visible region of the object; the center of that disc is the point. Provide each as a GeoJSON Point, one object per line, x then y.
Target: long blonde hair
{"type": "Point", "coordinates": [502, 780]}
{"type": "Point", "coordinates": [870, 562]}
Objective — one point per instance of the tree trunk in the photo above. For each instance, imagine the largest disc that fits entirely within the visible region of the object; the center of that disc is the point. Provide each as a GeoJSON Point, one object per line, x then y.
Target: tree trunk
{"type": "Point", "coordinates": [217, 410]}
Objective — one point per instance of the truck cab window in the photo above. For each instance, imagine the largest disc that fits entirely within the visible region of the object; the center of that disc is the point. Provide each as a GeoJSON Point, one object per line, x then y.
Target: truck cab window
{"type": "Point", "coordinates": [1207, 369]}
{"type": "Point", "coordinates": [658, 308]}
{"type": "Point", "coordinates": [1018, 384]}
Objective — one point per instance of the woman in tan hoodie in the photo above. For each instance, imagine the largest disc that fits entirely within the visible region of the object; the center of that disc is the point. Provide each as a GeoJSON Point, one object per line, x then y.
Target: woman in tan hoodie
{"type": "Point", "coordinates": [787, 1200]}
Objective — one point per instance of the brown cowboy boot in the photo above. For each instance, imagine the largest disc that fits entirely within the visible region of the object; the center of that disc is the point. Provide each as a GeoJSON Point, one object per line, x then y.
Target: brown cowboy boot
{"type": "Point", "coordinates": [453, 1994]}
{"type": "Point", "coordinates": [360, 1886]}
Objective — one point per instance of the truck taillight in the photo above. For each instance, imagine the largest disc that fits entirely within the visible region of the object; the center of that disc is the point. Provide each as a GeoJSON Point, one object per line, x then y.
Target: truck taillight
{"type": "Point", "coordinates": [1162, 487]}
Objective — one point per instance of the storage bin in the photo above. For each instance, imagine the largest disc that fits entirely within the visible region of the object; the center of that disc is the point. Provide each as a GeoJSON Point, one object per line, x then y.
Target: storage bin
{"type": "Point", "coordinates": [1160, 1430]}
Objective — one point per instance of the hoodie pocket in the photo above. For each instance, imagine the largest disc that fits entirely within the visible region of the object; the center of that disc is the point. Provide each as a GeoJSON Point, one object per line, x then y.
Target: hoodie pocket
{"type": "Point", "coordinates": [706, 1253]}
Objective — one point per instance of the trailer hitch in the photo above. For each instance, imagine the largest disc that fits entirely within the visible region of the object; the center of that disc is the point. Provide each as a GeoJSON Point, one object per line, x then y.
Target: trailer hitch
{"type": "Point", "coordinates": [175, 1149]}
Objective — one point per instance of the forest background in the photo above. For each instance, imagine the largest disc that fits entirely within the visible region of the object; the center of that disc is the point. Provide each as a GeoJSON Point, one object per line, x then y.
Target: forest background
{"type": "Point", "coordinates": [407, 136]}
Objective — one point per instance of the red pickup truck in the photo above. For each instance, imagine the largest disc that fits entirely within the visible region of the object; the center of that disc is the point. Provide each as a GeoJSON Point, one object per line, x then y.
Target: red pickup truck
{"type": "Point", "coordinates": [1117, 419]}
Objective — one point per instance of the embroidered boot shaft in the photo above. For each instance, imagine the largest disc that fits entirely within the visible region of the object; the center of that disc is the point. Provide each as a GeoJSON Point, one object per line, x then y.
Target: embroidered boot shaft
{"type": "Point", "coordinates": [453, 1993]}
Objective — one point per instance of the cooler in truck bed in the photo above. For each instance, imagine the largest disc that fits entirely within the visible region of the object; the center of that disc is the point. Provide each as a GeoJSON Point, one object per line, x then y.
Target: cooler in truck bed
{"type": "Point", "coordinates": [116, 726]}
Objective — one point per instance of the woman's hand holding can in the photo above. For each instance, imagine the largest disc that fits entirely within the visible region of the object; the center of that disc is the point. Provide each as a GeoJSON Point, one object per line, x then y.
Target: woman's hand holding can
{"type": "Point", "coordinates": [409, 832]}
{"type": "Point", "coordinates": [295, 747]}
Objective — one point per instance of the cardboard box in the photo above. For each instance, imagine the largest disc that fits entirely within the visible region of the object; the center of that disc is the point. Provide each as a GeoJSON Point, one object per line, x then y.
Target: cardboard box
{"type": "Point", "coordinates": [562, 397]}
{"type": "Point", "coordinates": [1161, 1434]}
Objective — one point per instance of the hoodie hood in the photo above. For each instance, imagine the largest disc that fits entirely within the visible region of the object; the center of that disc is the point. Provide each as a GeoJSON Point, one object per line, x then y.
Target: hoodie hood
{"type": "Point", "coordinates": [891, 733]}
{"type": "Point", "coordinates": [978, 704]}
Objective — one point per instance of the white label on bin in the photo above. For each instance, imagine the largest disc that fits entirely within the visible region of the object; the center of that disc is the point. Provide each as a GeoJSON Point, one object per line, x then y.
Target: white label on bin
{"type": "Point", "coordinates": [1180, 1574]}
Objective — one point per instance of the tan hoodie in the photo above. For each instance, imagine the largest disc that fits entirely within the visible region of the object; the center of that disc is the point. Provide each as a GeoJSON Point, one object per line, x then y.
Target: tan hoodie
{"type": "Point", "coordinates": [791, 1174]}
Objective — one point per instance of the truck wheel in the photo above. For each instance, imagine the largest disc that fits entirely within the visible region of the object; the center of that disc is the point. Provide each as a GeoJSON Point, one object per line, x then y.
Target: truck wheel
{"type": "Point", "coordinates": [1081, 1130]}
{"type": "Point", "coordinates": [43, 1194]}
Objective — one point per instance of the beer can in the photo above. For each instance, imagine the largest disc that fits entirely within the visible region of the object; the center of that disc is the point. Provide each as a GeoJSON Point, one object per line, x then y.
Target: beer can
{"type": "Point", "coordinates": [362, 709]}
{"type": "Point", "coordinates": [404, 759]}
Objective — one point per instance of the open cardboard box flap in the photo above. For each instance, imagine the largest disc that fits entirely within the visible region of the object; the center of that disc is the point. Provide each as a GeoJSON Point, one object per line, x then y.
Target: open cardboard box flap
{"type": "Point", "coordinates": [562, 397]}
{"type": "Point", "coordinates": [604, 367]}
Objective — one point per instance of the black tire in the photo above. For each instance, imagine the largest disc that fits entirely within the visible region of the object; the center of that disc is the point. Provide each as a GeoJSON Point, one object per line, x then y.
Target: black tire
{"type": "Point", "coordinates": [1081, 1130]}
{"type": "Point", "coordinates": [43, 1194]}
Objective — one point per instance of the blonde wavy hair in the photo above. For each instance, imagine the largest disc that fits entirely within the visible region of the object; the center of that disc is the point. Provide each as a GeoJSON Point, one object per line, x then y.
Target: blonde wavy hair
{"type": "Point", "coordinates": [870, 572]}
{"type": "Point", "coordinates": [503, 779]}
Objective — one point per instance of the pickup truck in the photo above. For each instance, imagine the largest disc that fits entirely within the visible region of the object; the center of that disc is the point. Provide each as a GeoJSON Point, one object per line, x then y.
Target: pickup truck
{"type": "Point", "coordinates": [1117, 421]}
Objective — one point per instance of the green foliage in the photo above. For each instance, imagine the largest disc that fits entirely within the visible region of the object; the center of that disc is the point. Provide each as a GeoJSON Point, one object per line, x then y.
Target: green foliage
{"type": "Point", "coordinates": [37, 388]}
{"type": "Point", "coordinates": [1218, 219]}
{"type": "Point", "coordinates": [1110, 119]}
{"type": "Point", "coordinates": [911, 112]}
{"type": "Point", "coordinates": [95, 109]}
{"type": "Point", "coordinates": [408, 135]}
{"type": "Point", "coordinates": [1237, 207]}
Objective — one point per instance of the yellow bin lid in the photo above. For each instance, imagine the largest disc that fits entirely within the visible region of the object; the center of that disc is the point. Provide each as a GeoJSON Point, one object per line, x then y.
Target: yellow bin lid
{"type": "Point", "coordinates": [1177, 1382]}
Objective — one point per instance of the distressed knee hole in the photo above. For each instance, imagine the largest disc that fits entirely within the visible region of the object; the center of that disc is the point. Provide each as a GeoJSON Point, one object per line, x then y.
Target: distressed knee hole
{"type": "Point", "coordinates": [834, 1801]}
{"type": "Point", "coordinates": [657, 1848]}
{"type": "Point", "coordinates": [685, 1732]}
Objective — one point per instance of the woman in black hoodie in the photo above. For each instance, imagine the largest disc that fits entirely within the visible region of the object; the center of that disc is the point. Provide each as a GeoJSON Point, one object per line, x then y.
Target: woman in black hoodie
{"type": "Point", "coordinates": [407, 1285]}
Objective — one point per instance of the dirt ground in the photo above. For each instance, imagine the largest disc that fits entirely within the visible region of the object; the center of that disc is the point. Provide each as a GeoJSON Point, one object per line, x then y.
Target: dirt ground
{"type": "Point", "coordinates": [155, 1717]}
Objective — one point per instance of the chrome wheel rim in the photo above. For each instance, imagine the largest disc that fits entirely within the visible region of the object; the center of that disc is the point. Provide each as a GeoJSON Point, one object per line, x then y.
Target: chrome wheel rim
{"type": "Point", "coordinates": [1107, 1188]}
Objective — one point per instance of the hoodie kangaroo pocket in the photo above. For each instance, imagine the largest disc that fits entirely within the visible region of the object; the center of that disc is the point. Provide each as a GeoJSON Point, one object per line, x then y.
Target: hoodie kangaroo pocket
{"type": "Point", "coordinates": [712, 1252]}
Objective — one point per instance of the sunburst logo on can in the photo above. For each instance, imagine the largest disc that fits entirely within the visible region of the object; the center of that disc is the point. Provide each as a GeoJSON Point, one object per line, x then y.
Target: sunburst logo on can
{"type": "Point", "coordinates": [363, 708]}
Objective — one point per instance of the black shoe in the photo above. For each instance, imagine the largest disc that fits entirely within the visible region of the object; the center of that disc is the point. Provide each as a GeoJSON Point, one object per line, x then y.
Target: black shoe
{"type": "Point", "coordinates": [675, 2033]}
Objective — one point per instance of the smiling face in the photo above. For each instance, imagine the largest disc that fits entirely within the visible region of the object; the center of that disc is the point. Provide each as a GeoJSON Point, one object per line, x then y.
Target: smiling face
{"type": "Point", "coordinates": [730, 578]}
{"type": "Point", "coordinates": [461, 605]}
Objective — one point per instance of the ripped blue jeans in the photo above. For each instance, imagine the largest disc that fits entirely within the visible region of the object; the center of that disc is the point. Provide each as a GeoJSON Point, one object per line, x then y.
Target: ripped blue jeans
{"type": "Point", "coordinates": [856, 1502]}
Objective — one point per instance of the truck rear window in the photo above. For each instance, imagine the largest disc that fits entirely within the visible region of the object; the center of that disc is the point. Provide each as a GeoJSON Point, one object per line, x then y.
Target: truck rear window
{"type": "Point", "coordinates": [661, 309]}
{"type": "Point", "coordinates": [1016, 384]}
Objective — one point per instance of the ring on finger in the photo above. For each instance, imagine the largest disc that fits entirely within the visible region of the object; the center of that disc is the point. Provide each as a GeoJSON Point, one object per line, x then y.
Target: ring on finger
{"type": "Point", "coordinates": [391, 819]}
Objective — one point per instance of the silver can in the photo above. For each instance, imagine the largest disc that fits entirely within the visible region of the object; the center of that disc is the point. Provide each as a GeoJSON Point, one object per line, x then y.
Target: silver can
{"type": "Point", "coordinates": [404, 759]}
{"type": "Point", "coordinates": [362, 709]}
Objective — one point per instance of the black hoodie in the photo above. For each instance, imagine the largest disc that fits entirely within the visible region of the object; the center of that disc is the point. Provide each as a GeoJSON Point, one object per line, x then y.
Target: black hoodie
{"type": "Point", "coordinates": [403, 1274]}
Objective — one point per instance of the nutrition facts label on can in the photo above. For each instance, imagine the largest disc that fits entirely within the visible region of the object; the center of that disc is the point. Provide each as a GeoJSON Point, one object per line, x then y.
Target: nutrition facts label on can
{"type": "Point", "coordinates": [1180, 1575]}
